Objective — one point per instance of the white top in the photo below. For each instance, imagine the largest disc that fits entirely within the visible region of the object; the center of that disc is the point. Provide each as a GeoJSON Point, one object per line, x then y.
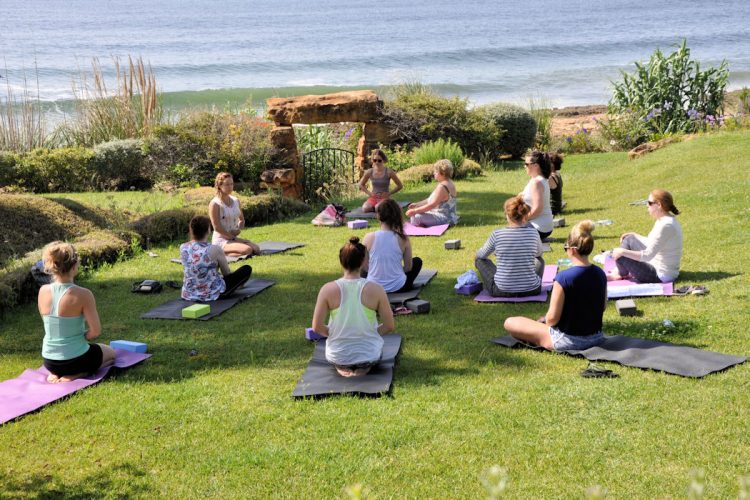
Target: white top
{"type": "Point", "coordinates": [664, 248]}
{"type": "Point", "coordinates": [353, 336]}
{"type": "Point", "coordinates": [543, 221]}
{"type": "Point", "coordinates": [516, 250]}
{"type": "Point", "coordinates": [386, 261]}
{"type": "Point", "coordinates": [229, 218]}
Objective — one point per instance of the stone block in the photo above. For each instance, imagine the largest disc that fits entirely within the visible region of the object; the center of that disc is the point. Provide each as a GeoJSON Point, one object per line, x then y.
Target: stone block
{"type": "Point", "coordinates": [354, 106]}
{"type": "Point", "coordinates": [626, 307]}
{"type": "Point", "coordinates": [452, 244]}
{"type": "Point", "coordinates": [377, 133]}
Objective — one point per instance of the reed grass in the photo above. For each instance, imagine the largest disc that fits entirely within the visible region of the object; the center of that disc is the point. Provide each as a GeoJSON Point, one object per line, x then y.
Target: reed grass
{"type": "Point", "coordinates": [22, 123]}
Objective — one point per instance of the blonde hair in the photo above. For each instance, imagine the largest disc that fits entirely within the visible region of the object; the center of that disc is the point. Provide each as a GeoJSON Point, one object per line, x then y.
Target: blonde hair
{"type": "Point", "coordinates": [444, 167]}
{"type": "Point", "coordinates": [516, 209]}
{"type": "Point", "coordinates": [580, 237]}
{"type": "Point", "coordinates": [221, 177]}
{"type": "Point", "coordinates": [665, 200]}
{"type": "Point", "coordinates": [59, 258]}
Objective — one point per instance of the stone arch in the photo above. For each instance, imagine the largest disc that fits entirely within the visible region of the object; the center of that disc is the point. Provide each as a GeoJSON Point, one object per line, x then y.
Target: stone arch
{"type": "Point", "coordinates": [361, 106]}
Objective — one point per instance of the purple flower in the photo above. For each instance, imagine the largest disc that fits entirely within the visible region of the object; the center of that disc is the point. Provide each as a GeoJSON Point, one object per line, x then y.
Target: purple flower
{"type": "Point", "coordinates": [692, 114]}
{"type": "Point", "coordinates": [349, 133]}
{"type": "Point", "coordinates": [569, 139]}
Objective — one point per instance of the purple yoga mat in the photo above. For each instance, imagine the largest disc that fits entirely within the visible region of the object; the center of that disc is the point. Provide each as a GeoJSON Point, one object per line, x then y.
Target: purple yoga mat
{"type": "Point", "coordinates": [609, 265]}
{"type": "Point", "coordinates": [412, 230]}
{"type": "Point", "coordinates": [30, 390]}
{"type": "Point", "coordinates": [547, 279]}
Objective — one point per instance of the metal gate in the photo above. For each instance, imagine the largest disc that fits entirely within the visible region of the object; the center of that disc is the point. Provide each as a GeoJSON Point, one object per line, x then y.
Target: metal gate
{"type": "Point", "coordinates": [327, 173]}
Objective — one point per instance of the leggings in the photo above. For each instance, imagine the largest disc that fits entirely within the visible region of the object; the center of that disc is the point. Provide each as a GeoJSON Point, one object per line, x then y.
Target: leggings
{"type": "Point", "coordinates": [487, 270]}
{"type": "Point", "coordinates": [235, 280]}
{"type": "Point", "coordinates": [416, 266]}
{"type": "Point", "coordinates": [642, 272]}
{"type": "Point", "coordinates": [428, 219]}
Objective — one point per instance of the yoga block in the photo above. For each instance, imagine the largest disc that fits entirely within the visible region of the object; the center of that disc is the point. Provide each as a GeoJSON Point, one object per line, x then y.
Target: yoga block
{"type": "Point", "coordinates": [357, 224]}
{"type": "Point", "coordinates": [626, 307]}
{"type": "Point", "coordinates": [452, 244]}
{"type": "Point", "coordinates": [469, 289]}
{"type": "Point", "coordinates": [196, 311]}
{"type": "Point", "coordinates": [127, 345]}
{"type": "Point", "coordinates": [418, 306]}
{"type": "Point", "coordinates": [558, 222]}
{"type": "Point", "coordinates": [311, 335]}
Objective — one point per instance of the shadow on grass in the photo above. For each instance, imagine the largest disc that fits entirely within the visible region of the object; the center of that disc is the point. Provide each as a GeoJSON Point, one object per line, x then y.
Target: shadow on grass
{"type": "Point", "coordinates": [697, 277]}
{"type": "Point", "coordinates": [576, 211]}
{"type": "Point", "coordinates": [131, 481]}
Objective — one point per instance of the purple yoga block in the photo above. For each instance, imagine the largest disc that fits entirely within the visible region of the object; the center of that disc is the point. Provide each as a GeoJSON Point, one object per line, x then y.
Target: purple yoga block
{"type": "Point", "coordinates": [311, 335]}
{"type": "Point", "coordinates": [127, 345]}
{"type": "Point", "coordinates": [469, 289]}
{"type": "Point", "coordinates": [357, 224]}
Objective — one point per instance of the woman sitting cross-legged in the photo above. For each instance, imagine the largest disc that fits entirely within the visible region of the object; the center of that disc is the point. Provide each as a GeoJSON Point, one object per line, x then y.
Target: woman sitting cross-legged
{"type": "Point", "coordinates": [654, 258]}
{"type": "Point", "coordinates": [202, 262]}
{"type": "Point", "coordinates": [354, 342]}
{"type": "Point", "coordinates": [227, 219]}
{"type": "Point", "coordinates": [66, 309]}
{"type": "Point", "coordinates": [536, 194]}
{"type": "Point", "coordinates": [440, 207]}
{"type": "Point", "coordinates": [579, 297]}
{"type": "Point", "coordinates": [518, 255]}
{"type": "Point", "coordinates": [391, 264]}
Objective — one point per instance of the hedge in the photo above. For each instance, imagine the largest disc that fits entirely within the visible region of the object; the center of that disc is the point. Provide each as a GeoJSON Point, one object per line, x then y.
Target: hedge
{"type": "Point", "coordinates": [423, 173]}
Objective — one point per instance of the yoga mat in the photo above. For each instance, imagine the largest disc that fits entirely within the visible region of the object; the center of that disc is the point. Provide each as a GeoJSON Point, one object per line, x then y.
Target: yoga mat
{"type": "Point", "coordinates": [412, 230]}
{"type": "Point", "coordinates": [266, 248]}
{"type": "Point", "coordinates": [548, 277]}
{"type": "Point", "coordinates": [357, 213]}
{"type": "Point", "coordinates": [321, 378]}
{"type": "Point", "coordinates": [629, 288]}
{"type": "Point", "coordinates": [649, 355]}
{"type": "Point", "coordinates": [423, 278]}
{"type": "Point", "coordinates": [173, 308]}
{"type": "Point", "coordinates": [30, 390]}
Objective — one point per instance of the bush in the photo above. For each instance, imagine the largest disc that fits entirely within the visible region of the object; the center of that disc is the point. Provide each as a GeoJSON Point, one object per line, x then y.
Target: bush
{"type": "Point", "coordinates": [55, 170]}
{"type": "Point", "coordinates": [173, 224]}
{"type": "Point", "coordinates": [670, 93]}
{"type": "Point", "coordinates": [199, 146]}
{"type": "Point", "coordinates": [119, 164]}
{"type": "Point", "coordinates": [582, 141]}
{"type": "Point", "coordinates": [432, 151]}
{"type": "Point", "coordinates": [399, 157]}
{"type": "Point", "coordinates": [518, 126]}
{"type": "Point", "coordinates": [423, 173]}
{"type": "Point", "coordinates": [624, 131]}
{"type": "Point", "coordinates": [7, 168]}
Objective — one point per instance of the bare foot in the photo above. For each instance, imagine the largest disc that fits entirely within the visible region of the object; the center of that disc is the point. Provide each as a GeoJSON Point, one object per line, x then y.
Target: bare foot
{"type": "Point", "coordinates": [70, 378]}
{"type": "Point", "coordinates": [52, 378]}
{"type": "Point", "coordinates": [353, 373]}
{"type": "Point", "coordinates": [613, 277]}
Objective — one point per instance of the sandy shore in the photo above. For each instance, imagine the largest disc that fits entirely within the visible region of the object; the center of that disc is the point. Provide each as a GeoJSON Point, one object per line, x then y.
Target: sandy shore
{"type": "Point", "coordinates": [568, 120]}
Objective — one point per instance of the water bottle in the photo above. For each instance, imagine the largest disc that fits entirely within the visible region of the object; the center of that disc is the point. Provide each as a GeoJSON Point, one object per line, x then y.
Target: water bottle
{"type": "Point", "coordinates": [604, 222]}
{"type": "Point", "coordinates": [563, 263]}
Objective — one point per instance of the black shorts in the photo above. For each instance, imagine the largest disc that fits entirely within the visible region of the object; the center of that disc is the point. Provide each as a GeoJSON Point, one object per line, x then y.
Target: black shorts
{"type": "Point", "coordinates": [88, 362]}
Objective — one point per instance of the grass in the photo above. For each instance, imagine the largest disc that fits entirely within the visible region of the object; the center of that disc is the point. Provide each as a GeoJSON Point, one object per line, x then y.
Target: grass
{"type": "Point", "coordinates": [222, 423]}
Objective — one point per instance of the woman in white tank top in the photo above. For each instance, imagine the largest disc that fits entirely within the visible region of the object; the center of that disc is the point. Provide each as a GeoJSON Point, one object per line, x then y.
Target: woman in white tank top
{"type": "Point", "coordinates": [227, 219]}
{"type": "Point", "coordinates": [354, 344]}
{"type": "Point", "coordinates": [391, 264]}
{"type": "Point", "coordinates": [536, 193]}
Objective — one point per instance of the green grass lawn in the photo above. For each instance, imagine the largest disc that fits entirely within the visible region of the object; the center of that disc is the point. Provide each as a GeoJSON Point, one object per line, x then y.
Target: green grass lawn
{"type": "Point", "coordinates": [222, 423]}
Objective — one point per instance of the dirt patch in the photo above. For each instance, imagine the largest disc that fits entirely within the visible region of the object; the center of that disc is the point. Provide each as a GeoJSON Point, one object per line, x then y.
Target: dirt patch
{"type": "Point", "coordinates": [569, 120]}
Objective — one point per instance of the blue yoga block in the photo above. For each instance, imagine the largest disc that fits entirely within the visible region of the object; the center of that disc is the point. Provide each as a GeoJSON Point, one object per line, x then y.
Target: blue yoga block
{"type": "Point", "coordinates": [311, 335]}
{"type": "Point", "coordinates": [127, 345]}
{"type": "Point", "coordinates": [469, 289]}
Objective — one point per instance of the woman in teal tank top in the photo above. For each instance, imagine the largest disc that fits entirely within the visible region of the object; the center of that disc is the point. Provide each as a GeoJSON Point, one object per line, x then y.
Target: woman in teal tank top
{"type": "Point", "coordinates": [66, 308]}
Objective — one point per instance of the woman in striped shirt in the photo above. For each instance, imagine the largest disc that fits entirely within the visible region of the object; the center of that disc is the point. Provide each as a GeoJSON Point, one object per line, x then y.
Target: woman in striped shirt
{"type": "Point", "coordinates": [518, 255]}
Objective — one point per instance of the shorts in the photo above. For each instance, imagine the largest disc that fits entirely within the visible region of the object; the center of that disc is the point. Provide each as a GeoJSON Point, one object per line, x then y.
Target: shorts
{"type": "Point", "coordinates": [357, 366]}
{"type": "Point", "coordinates": [564, 342]}
{"type": "Point", "coordinates": [374, 200]}
{"type": "Point", "coordinates": [88, 362]}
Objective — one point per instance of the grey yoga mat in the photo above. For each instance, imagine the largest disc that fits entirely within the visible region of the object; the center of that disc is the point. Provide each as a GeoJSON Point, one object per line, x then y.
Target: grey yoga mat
{"type": "Point", "coordinates": [321, 378]}
{"type": "Point", "coordinates": [424, 277]}
{"type": "Point", "coordinates": [357, 213]}
{"type": "Point", "coordinates": [173, 308]}
{"type": "Point", "coordinates": [266, 248]}
{"type": "Point", "coordinates": [651, 355]}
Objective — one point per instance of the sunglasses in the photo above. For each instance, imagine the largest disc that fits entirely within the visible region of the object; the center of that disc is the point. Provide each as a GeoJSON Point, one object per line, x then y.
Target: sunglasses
{"type": "Point", "coordinates": [567, 247]}
{"type": "Point", "coordinates": [377, 160]}
{"type": "Point", "coordinates": [649, 202]}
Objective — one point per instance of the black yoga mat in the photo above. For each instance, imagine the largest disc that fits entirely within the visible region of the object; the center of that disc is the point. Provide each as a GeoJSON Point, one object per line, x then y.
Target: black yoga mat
{"type": "Point", "coordinates": [173, 308]}
{"type": "Point", "coordinates": [650, 355]}
{"type": "Point", "coordinates": [321, 378]}
{"type": "Point", "coordinates": [423, 278]}
{"type": "Point", "coordinates": [357, 213]}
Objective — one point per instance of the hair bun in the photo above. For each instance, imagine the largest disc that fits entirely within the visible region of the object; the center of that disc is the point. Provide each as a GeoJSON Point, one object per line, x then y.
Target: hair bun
{"type": "Point", "coordinates": [587, 226]}
{"type": "Point", "coordinates": [354, 240]}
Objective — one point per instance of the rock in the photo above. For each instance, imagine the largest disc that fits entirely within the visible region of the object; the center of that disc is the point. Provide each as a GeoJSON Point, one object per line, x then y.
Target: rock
{"type": "Point", "coordinates": [355, 106]}
{"type": "Point", "coordinates": [377, 132]}
{"type": "Point", "coordinates": [648, 147]}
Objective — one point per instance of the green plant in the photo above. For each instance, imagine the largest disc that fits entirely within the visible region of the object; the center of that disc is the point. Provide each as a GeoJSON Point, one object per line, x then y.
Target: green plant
{"type": "Point", "coordinates": [7, 168]}
{"type": "Point", "coordinates": [399, 157]}
{"type": "Point", "coordinates": [541, 110]}
{"type": "Point", "coordinates": [743, 104]}
{"type": "Point", "coordinates": [582, 141]}
{"type": "Point", "coordinates": [423, 173]}
{"type": "Point", "coordinates": [670, 93]}
{"type": "Point", "coordinates": [623, 131]}
{"type": "Point", "coordinates": [119, 164]}
{"type": "Point", "coordinates": [518, 128]}
{"type": "Point", "coordinates": [51, 170]}
{"type": "Point", "coordinates": [22, 122]}
{"type": "Point", "coordinates": [432, 151]}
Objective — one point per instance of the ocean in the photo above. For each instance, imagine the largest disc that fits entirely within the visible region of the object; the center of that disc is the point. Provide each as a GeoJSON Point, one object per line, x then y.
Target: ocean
{"type": "Point", "coordinates": [565, 52]}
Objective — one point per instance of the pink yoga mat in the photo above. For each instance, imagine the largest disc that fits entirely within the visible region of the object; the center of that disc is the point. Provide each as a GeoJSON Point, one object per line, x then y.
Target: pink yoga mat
{"type": "Point", "coordinates": [412, 230]}
{"type": "Point", "coordinates": [547, 279]}
{"type": "Point", "coordinates": [30, 390]}
{"type": "Point", "coordinates": [609, 265]}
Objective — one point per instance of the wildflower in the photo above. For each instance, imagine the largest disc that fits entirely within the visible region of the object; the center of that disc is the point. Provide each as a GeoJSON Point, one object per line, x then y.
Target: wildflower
{"type": "Point", "coordinates": [612, 142]}
{"type": "Point", "coordinates": [585, 130]}
{"type": "Point", "coordinates": [667, 105]}
{"type": "Point", "coordinates": [569, 139]}
{"type": "Point", "coordinates": [349, 133]}
{"type": "Point", "coordinates": [692, 114]}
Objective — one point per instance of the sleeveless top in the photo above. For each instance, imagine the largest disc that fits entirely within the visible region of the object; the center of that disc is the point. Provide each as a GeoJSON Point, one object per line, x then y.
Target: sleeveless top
{"type": "Point", "coordinates": [381, 184]}
{"type": "Point", "coordinates": [229, 218]}
{"type": "Point", "coordinates": [386, 261]}
{"type": "Point", "coordinates": [64, 336]}
{"type": "Point", "coordinates": [202, 280]}
{"type": "Point", "coordinates": [555, 199]}
{"type": "Point", "coordinates": [447, 209]}
{"type": "Point", "coordinates": [543, 221]}
{"type": "Point", "coordinates": [353, 336]}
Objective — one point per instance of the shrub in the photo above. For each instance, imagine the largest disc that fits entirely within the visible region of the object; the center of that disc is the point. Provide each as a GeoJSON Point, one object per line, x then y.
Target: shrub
{"type": "Point", "coordinates": [119, 164]}
{"type": "Point", "coordinates": [399, 157]}
{"type": "Point", "coordinates": [518, 126]}
{"type": "Point", "coordinates": [173, 224]}
{"type": "Point", "coordinates": [582, 141]}
{"type": "Point", "coordinates": [624, 131]}
{"type": "Point", "coordinates": [432, 151]}
{"type": "Point", "coordinates": [670, 93]}
{"type": "Point", "coordinates": [55, 170]}
{"type": "Point", "coordinates": [423, 173]}
{"type": "Point", "coordinates": [7, 168]}
{"type": "Point", "coordinates": [541, 111]}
